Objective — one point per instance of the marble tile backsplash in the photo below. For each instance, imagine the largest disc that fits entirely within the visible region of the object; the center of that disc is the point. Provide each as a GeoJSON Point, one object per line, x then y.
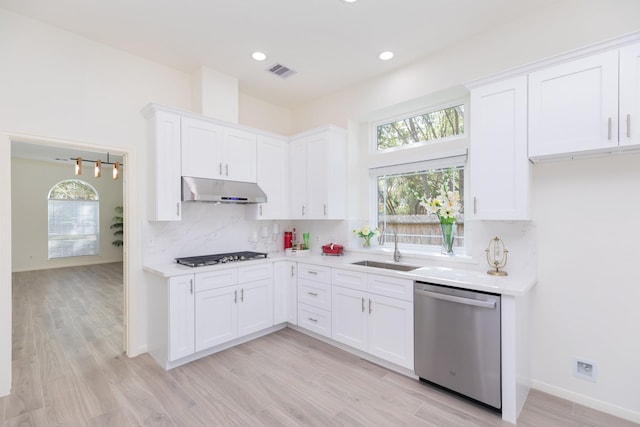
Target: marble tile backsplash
{"type": "Point", "coordinates": [207, 228]}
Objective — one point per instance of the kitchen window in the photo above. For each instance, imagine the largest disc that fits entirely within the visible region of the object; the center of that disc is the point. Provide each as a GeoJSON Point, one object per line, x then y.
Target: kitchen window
{"type": "Point", "coordinates": [400, 191]}
{"type": "Point", "coordinates": [428, 126]}
{"type": "Point", "coordinates": [74, 223]}
{"type": "Point", "coordinates": [411, 155]}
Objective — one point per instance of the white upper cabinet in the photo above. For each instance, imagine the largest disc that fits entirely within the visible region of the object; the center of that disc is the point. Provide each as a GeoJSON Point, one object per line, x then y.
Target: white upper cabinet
{"type": "Point", "coordinates": [573, 107]}
{"type": "Point", "coordinates": [272, 178]}
{"type": "Point", "coordinates": [211, 150]}
{"type": "Point", "coordinates": [500, 170]}
{"type": "Point", "coordinates": [201, 148]}
{"type": "Point", "coordinates": [298, 178]}
{"type": "Point", "coordinates": [630, 95]}
{"type": "Point", "coordinates": [318, 174]}
{"type": "Point", "coordinates": [163, 133]}
{"type": "Point", "coordinates": [238, 157]}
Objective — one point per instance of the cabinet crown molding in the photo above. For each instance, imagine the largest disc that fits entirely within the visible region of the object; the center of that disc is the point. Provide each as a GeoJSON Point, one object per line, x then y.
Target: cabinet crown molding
{"type": "Point", "coordinates": [602, 46]}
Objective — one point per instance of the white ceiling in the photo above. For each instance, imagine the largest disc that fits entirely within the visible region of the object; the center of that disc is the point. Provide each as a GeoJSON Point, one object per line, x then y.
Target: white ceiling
{"type": "Point", "coordinates": [58, 154]}
{"type": "Point", "coordinates": [330, 44]}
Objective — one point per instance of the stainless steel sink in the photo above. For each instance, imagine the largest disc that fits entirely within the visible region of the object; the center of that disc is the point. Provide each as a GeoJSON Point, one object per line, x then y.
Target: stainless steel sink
{"type": "Point", "coordinates": [387, 265]}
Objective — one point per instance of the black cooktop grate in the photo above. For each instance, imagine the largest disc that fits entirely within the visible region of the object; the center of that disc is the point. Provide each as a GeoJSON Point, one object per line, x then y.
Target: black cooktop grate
{"type": "Point", "coordinates": [202, 260]}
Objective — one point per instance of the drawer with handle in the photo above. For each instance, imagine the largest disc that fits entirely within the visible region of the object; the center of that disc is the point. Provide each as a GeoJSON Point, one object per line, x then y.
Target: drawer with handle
{"type": "Point", "coordinates": [314, 293]}
{"type": "Point", "coordinates": [314, 319]}
{"type": "Point", "coordinates": [317, 273]}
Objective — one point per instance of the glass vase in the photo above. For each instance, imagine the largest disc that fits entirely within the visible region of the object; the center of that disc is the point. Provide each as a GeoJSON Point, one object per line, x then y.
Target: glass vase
{"type": "Point", "coordinates": [367, 242]}
{"type": "Point", "coordinates": [447, 238]}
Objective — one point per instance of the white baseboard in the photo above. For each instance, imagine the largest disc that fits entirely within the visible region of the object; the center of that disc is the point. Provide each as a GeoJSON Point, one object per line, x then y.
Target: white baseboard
{"type": "Point", "coordinates": [587, 401]}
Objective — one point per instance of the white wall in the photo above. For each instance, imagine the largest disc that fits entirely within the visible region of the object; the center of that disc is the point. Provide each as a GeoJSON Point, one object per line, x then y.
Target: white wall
{"type": "Point", "coordinates": [586, 301]}
{"type": "Point", "coordinates": [60, 86]}
{"type": "Point", "coordinates": [587, 291]}
{"type": "Point", "coordinates": [31, 182]}
{"type": "Point", "coordinates": [259, 114]}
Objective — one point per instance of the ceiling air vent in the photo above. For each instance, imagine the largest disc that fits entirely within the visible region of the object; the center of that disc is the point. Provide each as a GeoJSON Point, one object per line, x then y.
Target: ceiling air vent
{"type": "Point", "coordinates": [281, 71]}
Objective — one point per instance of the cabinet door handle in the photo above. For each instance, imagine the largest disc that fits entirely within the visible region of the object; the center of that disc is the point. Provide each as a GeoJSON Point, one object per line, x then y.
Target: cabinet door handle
{"type": "Point", "coordinates": [370, 310]}
{"type": "Point", "coordinates": [226, 169]}
{"type": "Point", "coordinates": [312, 272]}
{"type": "Point", "coordinates": [242, 295]}
{"type": "Point", "coordinates": [628, 125]}
{"type": "Point", "coordinates": [324, 210]}
{"type": "Point", "coordinates": [191, 286]}
{"type": "Point", "coordinates": [313, 294]}
{"type": "Point", "coordinates": [302, 210]}
{"type": "Point", "coordinates": [235, 296]}
{"type": "Point", "coordinates": [260, 210]}
{"type": "Point", "coordinates": [311, 319]}
{"type": "Point", "coordinates": [178, 209]}
{"type": "Point", "coordinates": [609, 124]}
{"type": "Point", "coordinates": [363, 304]}
{"type": "Point", "coordinates": [220, 169]}
{"type": "Point", "coordinates": [475, 205]}
{"type": "Point", "coordinates": [292, 271]}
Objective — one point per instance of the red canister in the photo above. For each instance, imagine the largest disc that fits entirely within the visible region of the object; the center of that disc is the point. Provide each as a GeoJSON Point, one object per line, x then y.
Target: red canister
{"type": "Point", "coordinates": [288, 237]}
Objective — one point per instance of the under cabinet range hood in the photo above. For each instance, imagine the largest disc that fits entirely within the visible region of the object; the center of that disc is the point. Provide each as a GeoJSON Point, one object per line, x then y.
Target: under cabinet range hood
{"type": "Point", "coordinates": [220, 191]}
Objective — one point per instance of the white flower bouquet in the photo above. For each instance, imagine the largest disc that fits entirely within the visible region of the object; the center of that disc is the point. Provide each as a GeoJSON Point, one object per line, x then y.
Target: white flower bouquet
{"type": "Point", "coordinates": [367, 233]}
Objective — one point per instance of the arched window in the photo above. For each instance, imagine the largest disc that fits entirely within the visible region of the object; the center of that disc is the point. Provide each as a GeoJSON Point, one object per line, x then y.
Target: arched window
{"type": "Point", "coordinates": [74, 219]}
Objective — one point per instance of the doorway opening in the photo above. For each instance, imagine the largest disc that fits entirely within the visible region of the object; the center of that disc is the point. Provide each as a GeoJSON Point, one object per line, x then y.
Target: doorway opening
{"type": "Point", "coordinates": [33, 159]}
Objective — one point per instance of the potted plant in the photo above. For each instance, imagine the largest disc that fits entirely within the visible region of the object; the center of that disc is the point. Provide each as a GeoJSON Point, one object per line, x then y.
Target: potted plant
{"type": "Point", "coordinates": [118, 226]}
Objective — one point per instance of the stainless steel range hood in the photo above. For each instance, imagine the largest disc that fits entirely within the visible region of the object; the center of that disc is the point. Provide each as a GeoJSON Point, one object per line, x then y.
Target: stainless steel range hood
{"type": "Point", "coordinates": [216, 190]}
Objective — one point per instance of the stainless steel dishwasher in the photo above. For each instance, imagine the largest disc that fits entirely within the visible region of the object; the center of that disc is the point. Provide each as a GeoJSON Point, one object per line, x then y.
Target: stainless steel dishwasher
{"type": "Point", "coordinates": [457, 341]}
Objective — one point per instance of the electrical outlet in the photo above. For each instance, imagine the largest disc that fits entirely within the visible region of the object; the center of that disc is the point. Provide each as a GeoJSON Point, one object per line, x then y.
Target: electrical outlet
{"type": "Point", "coordinates": [584, 369]}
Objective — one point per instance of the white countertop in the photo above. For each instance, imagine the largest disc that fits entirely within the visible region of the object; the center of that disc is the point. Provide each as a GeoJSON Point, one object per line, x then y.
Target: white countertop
{"type": "Point", "coordinates": [468, 278]}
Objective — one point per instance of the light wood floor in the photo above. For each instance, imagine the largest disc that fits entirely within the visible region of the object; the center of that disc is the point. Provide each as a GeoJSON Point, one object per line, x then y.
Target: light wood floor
{"type": "Point", "coordinates": [69, 370]}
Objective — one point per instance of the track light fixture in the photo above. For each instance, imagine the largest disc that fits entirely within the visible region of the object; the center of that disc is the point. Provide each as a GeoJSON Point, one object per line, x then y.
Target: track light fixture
{"type": "Point", "coordinates": [97, 170]}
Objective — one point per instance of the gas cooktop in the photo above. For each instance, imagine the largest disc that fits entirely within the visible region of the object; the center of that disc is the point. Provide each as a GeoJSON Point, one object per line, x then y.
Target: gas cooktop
{"type": "Point", "coordinates": [200, 261]}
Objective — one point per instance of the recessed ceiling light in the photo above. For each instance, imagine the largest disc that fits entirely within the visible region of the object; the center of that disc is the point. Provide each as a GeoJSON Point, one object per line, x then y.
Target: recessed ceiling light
{"type": "Point", "coordinates": [386, 55]}
{"type": "Point", "coordinates": [258, 56]}
{"type": "Point", "coordinates": [349, 1]}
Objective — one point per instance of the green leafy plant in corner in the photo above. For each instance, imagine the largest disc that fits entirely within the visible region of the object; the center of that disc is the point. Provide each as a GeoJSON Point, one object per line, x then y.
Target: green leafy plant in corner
{"type": "Point", "coordinates": [118, 226]}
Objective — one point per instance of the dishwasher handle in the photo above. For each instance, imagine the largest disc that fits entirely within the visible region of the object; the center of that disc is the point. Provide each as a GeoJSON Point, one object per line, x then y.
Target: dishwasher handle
{"type": "Point", "coordinates": [459, 300]}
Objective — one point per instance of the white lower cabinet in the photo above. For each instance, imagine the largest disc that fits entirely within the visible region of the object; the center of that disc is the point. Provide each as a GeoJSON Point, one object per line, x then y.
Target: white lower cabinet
{"type": "Point", "coordinates": [216, 316]}
{"type": "Point", "coordinates": [226, 309]}
{"type": "Point", "coordinates": [314, 298]}
{"type": "Point", "coordinates": [390, 330]}
{"type": "Point", "coordinates": [181, 311]}
{"type": "Point", "coordinates": [171, 330]}
{"type": "Point", "coordinates": [349, 317]}
{"type": "Point", "coordinates": [196, 312]}
{"type": "Point", "coordinates": [377, 324]}
{"type": "Point", "coordinates": [285, 292]}
{"type": "Point", "coordinates": [314, 319]}
{"type": "Point", "coordinates": [255, 308]}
